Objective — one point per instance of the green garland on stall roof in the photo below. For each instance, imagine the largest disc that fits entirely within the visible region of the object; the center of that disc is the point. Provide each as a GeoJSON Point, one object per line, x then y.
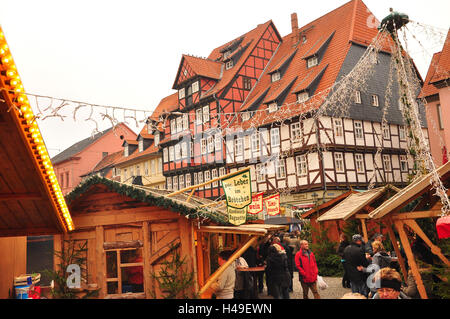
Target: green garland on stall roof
{"type": "Point", "coordinates": [142, 196]}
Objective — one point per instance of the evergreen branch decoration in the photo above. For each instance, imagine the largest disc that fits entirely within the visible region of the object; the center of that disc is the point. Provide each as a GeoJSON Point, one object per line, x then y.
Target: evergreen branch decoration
{"type": "Point", "coordinates": [141, 195]}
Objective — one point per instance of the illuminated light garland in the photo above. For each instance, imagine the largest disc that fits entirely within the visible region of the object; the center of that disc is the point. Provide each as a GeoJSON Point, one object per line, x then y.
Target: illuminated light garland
{"type": "Point", "coordinates": [22, 109]}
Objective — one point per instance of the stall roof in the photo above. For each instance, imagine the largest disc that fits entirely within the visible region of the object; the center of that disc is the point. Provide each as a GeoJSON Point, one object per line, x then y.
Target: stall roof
{"type": "Point", "coordinates": [410, 192]}
{"type": "Point", "coordinates": [353, 204]}
{"type": "Point", "coordinates": [31, 201]}
{"type": "Point", "coordinates": [195, 207]}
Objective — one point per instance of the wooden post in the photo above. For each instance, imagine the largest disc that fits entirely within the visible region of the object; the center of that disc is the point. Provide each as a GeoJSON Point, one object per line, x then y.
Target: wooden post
{"type": "Point", "coordinates": [100, 257]}
{"type": "Point", "coordinates": [222, 268]}
{"type": "Point", "coordinates": [200, 264]}
{"type": "Point", "coordinates": [401, 261]}
{"type": "Point", "coordinates": [411, 261]}
{"type": "Point", "coordinates": [147, 267]}
{"type": "Point", "coordinates": [434, 249]}
{"type": "Point", "coordinates": [364, 229]}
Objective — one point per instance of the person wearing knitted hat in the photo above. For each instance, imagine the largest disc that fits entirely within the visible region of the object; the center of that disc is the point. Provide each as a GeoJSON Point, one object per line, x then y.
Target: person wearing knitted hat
{"type": "Point", "coordinates": [388, 283]}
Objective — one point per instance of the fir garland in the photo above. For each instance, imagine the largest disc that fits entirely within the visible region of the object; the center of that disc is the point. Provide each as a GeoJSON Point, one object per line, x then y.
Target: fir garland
{"type": "Point", "coordinates": [142, 196]}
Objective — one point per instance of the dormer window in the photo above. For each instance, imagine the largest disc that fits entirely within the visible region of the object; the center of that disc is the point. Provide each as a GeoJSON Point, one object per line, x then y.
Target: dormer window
{"type": "Point", "coordinates": [181, 93]}
{"type": "Point", "coordinates": [229, 64]}
{"type": "Point", "coordinates": [302, 97]}
{"type": "Point", "coordinates": [312, 61]}
{"type": "Point", "coordinates": [226, 54]}
{"type": "Point", "coordinates": [141, 145]}
{"type": "Point", "coordinates": [358, 97]}
{"type": "Point", "coordinates": [273, 107]}
{"type": "Point", "coordinates": [276, 76]}
{"type": "Point", "coordinates": [304, 39]}
{"type": "Point", "coordinates": [125, 151]}
{"type": "Point", "coordinates": [156, 139]}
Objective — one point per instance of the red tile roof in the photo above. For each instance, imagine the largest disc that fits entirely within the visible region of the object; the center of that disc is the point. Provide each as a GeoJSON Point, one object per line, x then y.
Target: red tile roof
{"type": "Point", "coordinates": [151, 150]}
{"type": "Point", "coordinates": [442, 70]}
{"type": "Point", "coordinates": [349, 24]}
{"type": "Point", "coordinates": [427, 88]}
{"type": "Point", "coordinates": [108, 160]}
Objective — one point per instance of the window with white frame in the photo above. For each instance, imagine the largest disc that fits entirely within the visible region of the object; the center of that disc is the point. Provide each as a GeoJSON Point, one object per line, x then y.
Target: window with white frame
{"type": "Point", "coordinates": [302, 97]}
{"type": "Point", "coordinates": [275, 137]}
{"type": "Point", "coordinates": [188, 180]}
{"type": "Point", "coordinates": [260, 172]}
{"type": "Point", "coordinates": [338, 128]}
{"type": "Point", "coordinates": [273, 107]}
{"type": "Point", "coordinates": [157, 139]}
{"type": "Point", "coordinates": [339, 162]}
{"type": "Point", "coordinates": [387, 162]}
{"type": "Point", "coordinates": [159, 165]}
{"type": "Point", "coordinates": [198, 116]}
{"type": "Point", "coordinates": [169, 183]}
{"type": "Point", "coordinates": [403, 163]}
{"type": "Point", "coordinates": [207, 179]}
{"type": "Point", "coordinates": [175, 183]}
{"type": "Point", "coordinates": [200, 177]}
{"type": "Point", "coordinates": [141, 145]}
{"type": "Point", "coordinates": [402, 133]}
{"type": "Point", "coordinates": [177, 151]}
{"type": "Point", "coordinates": [203, 146]}
{"type": "Point", "coordinates": [179, 124]}
{"type": "Point", "coordinates": [302, 165]}
{"type": "Point", "coordinates": [213, 176]}
{"type": "Point", "coordinates": [210, 144]}
{"type": "Point", "coordinates": [125, 151]}
{"type": "Point", "coordinates": [358, 130]}
{"type": "Point", "coordinates": [385, 131]}
{"type": "Point", "coordinates": [195, 87]}
{"type": "Point", "coordinates": [246, 83]}
{"type": "Point", "coordinates": [184, 150]}
{"type": "Point", "coordinates": [173, 126]}
{"type": "Point", "coordinates": [222, 172]}
{"type": "Point", "coordinates": [375, 101]}
{"type": "Point", "coordinates": [195, 178]}
{"type": "Point", "coordinates": [181, 181]}
{"type": "Point", "coordinates": [359, 163]}
{"type": "Point", "coordinates": [165, 154]}
{"type": "Point", "coordinates": [276, 76]}
{"type": "Point", "coordinates": [146, 168]}
{"type": "Point", "coordinates": [185, 121]}
{"type": "Point", "coordinates": [296, 131]}
{"type": "Point", "coordinates": [229, 64]}
{"type": "Point", "coordinates": [171, 153]}
{"type": "Point", "coordinates": [191, 148]}
{"type": "Point", "coordinates": [218, 141]}
{"type": "Point", "coordinates": [153, 167]}
{"type": "Point", "coordinates": [357, 97]}
{"type": "Point", "coordinates": [239, 146]}
{"type": "Point", "coordinates": [312, 61]}
{"type": "Point", "coordinates": [206, 114]}
{"type": "Point", "coordinates": [255, 141]}
{"type": "Point", "coordinates": [280, 168]}
{"type": "Point", "coordinates": [181, 93]}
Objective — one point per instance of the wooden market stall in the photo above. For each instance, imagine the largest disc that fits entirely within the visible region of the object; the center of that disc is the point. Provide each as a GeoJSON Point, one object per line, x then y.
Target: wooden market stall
{"type": "Point", "coordinates": [116, 221]}
{"type": "Point", "coordinates": [397, 212]}
{"type": "Point", "coordinates": [31, 202]}
{"type": "Point", "coordinates": [352, 204]}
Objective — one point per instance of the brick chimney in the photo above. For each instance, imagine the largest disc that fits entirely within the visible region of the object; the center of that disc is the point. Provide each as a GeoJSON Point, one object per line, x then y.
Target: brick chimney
{"type": "Point", "coordinates": [294, 26]}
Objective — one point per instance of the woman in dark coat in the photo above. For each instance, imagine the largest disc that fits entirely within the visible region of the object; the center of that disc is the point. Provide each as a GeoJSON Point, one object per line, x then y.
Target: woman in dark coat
{"type": "Point", "coordinates": [278, 271]}
{"type": "Point", "coordinates": [343, 243]}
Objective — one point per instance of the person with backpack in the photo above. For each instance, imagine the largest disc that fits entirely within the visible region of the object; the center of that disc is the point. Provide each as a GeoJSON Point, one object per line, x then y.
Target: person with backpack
{"type": "Point", "coordinates": [305, 261]}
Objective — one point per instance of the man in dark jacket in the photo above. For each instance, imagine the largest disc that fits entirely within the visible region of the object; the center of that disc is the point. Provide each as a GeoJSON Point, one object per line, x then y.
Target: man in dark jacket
{"type": "Point", "coordinates": [343, 243]}
{"type": "Point", "coordinates": [277, 269]}
{"type": "Point", "coordinates": [307, 270]}
{"type": "Point", "coordinates": [355, 257]}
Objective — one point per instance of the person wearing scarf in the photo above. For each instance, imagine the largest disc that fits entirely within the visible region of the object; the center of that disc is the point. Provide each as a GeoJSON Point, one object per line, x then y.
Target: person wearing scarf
{"type": "Point", "coordinates": [389, 283]}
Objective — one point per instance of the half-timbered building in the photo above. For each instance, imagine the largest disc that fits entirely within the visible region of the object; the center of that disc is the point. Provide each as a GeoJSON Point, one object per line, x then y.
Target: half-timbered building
{"type": "Point", "coordinates": [247, 105]}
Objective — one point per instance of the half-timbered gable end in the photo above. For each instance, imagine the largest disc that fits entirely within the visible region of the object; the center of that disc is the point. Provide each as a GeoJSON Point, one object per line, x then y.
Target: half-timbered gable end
{"type": "Point", "coordinates": [299, 152]}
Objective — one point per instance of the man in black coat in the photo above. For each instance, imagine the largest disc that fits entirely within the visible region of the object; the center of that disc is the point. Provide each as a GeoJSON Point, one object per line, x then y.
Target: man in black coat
{"type": "Point", "coordinates": [354, 257]}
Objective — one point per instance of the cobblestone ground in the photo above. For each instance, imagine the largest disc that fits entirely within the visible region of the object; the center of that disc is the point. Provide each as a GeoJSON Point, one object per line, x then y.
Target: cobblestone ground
{"type": "Point", "coordinates": [334, 290]}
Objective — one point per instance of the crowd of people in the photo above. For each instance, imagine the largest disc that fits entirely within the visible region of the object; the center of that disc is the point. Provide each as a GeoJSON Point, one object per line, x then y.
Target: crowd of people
{"type": "Point", "coordinates": [369, 271]}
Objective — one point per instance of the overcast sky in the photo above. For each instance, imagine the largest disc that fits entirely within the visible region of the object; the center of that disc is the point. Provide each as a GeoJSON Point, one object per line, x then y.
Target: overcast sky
{"type": "Point", "coordinates": [126, 53]}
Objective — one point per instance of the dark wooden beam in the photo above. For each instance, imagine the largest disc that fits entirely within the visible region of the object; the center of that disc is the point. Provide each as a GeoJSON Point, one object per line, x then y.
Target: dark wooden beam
{"type": "Point", "coordinates": [19, 196]}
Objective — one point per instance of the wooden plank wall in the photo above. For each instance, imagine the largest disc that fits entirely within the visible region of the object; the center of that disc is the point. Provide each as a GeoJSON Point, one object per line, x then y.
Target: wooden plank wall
{"type": "Point", "coordinates": [13, 262]}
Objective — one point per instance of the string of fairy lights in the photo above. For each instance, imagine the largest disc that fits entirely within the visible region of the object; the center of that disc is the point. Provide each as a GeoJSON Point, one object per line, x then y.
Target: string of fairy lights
{"type": "Point", "coordinates": [333, 102]}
